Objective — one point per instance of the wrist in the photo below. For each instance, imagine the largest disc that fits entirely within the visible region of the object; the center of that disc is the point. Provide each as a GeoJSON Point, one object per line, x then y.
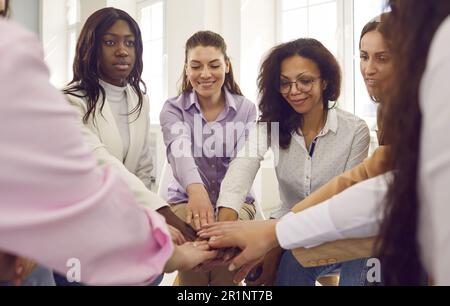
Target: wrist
{"type": "Point", "coordinates": [172, 264]}
{"type": "Point", "coordinates": [194, 189]}
{"type": "Point", "coordinates": [272, 234]}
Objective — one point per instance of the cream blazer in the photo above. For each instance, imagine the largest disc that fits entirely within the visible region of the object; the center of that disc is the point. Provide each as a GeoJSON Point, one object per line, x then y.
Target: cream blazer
{"type": "Point", "coordinates": [103, 137]}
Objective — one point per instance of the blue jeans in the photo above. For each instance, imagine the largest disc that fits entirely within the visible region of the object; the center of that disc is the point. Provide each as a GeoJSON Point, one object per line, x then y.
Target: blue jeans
{"type": "Point", "coordinates": [40, 276]}
{"type": "Point", "coordinates": [61, 280]}
{"type": "Point", "coordinates": [292, 273]}
{"type": "Point", "coordinates": [157, 281]}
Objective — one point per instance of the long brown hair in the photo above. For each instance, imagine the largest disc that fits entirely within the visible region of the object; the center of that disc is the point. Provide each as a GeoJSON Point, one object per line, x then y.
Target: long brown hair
{"type": "Point", "coordinates": [209, 39]}
{"type": "Point", "coordinates": [86, 65]}
{"type": "Point", "coordinates": [272, 105]}
{"type": "Point", "coordinates": [412, 25]}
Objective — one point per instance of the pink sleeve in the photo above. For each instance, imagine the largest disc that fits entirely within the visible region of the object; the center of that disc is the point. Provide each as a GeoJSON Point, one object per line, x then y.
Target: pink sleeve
{"type": "Point", "coordinates": [56, 204]}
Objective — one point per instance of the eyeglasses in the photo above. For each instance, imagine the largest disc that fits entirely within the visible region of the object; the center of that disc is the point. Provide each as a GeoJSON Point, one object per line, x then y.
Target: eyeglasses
{"type": "Point", "coordinates": [303, 84]}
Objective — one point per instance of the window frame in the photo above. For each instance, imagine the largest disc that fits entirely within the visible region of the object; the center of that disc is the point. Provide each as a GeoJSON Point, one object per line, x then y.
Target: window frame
{"type": "Point", "coordinates": [73, 28]}
{"type": "Point", "coordinates": [140, 5]}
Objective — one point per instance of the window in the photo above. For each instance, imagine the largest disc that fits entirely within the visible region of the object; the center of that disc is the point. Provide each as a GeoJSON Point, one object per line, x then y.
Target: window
{"type": "Point", "coordinates": [337, 24]}
{"type": "Point", "coordinates": [151, 19]}
{"type": "Point", "coordinates": [305, 18]}
{"type": "Point", "coordinates": [73, 22]}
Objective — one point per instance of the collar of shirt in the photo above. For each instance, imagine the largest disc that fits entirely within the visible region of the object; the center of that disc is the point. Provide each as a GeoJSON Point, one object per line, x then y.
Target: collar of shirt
{"type": "Point", "coordinates": [114, 93]}
{"type": "Point", "coordinates": [330, 125]}
{"type": "Point", "coordinates": [192, 100]}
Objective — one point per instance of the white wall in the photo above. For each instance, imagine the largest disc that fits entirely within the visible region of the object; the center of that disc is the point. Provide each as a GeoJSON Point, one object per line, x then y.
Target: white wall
{"type": "Point", "coordinates": [87, 7]}
{"type": "Point", "coordinates": [54, 39]}
{"type": "Point", "coordinates": [27, 13]}
{"type": "Point", "coordinates": [183, 18]}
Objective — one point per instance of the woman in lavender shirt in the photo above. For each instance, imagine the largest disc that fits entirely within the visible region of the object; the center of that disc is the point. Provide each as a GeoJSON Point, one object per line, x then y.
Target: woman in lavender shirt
{"type": "Point", "coordinates": [203, 128]}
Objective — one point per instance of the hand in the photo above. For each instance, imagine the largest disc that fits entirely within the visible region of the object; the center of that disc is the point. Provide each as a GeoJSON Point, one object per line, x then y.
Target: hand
{"type": "Point", "coordinates": [22, 268]}
{"type": "Point", "coordinates": [188, 232]}
{"type": "Point", "coordinates": [223, 258]}
{"type": "Point", "coordinates": [269, 268]}
{"type": "Point", "coordinates": [189, 255]}
{"type": "Point", "coordinates": [224, 255]}
{"type": "Point", "coordinates": [254, 238]}
{"type": "Point", "coordinates": [199, 210]}
{"type": "Point", "coordinates": [177, 236]}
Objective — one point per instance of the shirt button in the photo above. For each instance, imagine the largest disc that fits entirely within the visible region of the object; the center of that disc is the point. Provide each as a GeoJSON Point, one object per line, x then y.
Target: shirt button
{"type": "Point", "coordinates": [213, 166]}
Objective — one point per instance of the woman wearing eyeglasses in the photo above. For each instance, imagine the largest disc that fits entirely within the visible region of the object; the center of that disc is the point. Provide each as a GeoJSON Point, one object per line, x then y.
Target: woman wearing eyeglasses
{"type": "Point", "coordinates": [311, 140]}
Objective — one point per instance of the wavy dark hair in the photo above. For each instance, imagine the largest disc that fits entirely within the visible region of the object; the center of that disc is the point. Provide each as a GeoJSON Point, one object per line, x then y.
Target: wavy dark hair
{"type": "Point", "coordinates": [86, 65]}
{"type": "Point", "coordinates": [412, 25]}
{"type": "Point", "coordinates": [208, 39]}
{"type": "Point", "coordinates": [272, 105]}
{"type": "Point", "coordinates": [6, 11]}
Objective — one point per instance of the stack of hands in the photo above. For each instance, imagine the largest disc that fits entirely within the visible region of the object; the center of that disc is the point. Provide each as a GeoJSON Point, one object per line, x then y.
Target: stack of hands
{"type": "Point", "coordinates": [249, 247]}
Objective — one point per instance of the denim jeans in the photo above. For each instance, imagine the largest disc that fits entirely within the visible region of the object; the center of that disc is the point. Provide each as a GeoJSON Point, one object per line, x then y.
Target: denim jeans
{"type": "Point", "coordinates": [61, 280]}
{"type": "Point", "coordinates": [292, 273]}
{"type": "Point", "coordinates": [157, 281]}
{"type": "Point", "coordinates": [40, 276]}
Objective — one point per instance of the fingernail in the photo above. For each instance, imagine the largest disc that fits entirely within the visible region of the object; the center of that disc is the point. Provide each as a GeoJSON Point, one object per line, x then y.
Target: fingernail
{"type": "Point", "coordinates": [232, 267]}
{"type": "Point", "coordinates": [19, 270]}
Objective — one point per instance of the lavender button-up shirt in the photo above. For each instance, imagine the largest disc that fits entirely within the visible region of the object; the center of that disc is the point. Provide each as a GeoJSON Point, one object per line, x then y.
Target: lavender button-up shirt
{"type": "Point", "coordinates": [200, 151]}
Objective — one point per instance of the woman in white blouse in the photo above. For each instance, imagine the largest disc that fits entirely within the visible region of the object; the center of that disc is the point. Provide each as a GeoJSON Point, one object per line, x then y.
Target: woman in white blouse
{"type": "Point", "coordinates": [414, 226]}
{"type": "Point", "coordinates": [312, 142]}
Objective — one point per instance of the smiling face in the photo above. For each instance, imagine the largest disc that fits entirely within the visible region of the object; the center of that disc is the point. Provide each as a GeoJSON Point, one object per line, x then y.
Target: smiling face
{"type": "Point", "coordinates": [376, 63]}
{"type": "Point", "coordinates": [117, 53]}
{"type": "Point", "coordinates": [307, 75]}
{"type": "Point", "coordinates": [206, 68]}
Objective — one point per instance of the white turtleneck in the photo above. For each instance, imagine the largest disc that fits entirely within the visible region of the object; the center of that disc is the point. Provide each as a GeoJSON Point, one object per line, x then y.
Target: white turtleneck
{"type": "Point", "coordinates": [117, 99]}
